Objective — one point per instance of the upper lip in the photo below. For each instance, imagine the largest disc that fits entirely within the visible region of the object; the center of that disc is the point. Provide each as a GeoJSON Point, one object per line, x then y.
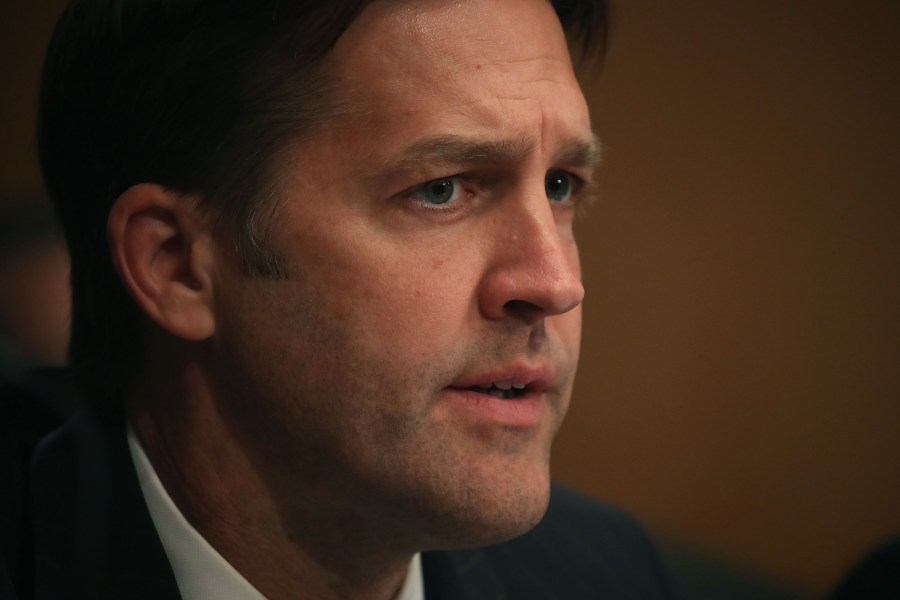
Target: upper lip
{"type": "Point", "coordinates": [536, 377]}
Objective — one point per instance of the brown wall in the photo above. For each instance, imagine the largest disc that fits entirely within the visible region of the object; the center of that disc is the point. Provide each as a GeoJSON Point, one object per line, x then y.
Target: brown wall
{"type": "Point", "coordinates": [739, 382]}
{"type": "Point", "coordinates": [740, 378]}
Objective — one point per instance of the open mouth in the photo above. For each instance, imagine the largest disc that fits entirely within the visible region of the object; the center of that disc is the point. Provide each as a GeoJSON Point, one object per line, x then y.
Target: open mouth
{"type": "Point", "coordinates": [501, 389]}
{"type": "Point", "coordinates": [516, 400]}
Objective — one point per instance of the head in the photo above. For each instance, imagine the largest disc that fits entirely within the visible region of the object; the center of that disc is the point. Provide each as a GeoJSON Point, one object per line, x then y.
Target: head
{"type": "Point", "coordinates": [364, 210]}
{"type": "Point", "coordinates": [34, 277]}
{"type": "Point", "coordinates": [199, 96]}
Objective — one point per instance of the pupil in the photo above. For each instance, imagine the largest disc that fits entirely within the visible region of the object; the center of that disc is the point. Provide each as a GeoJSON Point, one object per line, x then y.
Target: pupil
{"type": "Point", "coordinates": [441, 191]}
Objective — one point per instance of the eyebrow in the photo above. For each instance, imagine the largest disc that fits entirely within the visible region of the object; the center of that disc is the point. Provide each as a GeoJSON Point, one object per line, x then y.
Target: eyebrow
{"type": "Point", "coordinates": [458, 150]}
{"type": "Point", "coordinates": [578, 152]}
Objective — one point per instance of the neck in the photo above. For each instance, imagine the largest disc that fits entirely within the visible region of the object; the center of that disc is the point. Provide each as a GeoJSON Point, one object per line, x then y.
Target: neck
{"type": "Point", "coordinates": [288, 541]}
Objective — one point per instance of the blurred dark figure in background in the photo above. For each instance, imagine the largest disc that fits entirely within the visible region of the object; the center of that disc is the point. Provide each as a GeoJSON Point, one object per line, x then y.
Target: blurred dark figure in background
{"type": "Point", "coordinates": [36, 391]}
{"type": "Point", "coordinates": [34, 287]}
{"type": "Point", "coordinates": [875, 577]}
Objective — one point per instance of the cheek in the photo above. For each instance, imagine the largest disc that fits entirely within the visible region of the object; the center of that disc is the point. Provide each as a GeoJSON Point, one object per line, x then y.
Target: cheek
{"type": "Point", "coordinates": [411, 302]}
{"type": "Point", "coordinates": [572, 330]}
{"type": "Point", "coordinates": [397, 289]}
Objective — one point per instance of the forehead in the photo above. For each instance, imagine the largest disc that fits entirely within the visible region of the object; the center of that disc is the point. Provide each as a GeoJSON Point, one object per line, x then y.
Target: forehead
{"type": "Point", "coordinates": [462, 28]}
{"type": "Point", "coordinates": [475, 59]}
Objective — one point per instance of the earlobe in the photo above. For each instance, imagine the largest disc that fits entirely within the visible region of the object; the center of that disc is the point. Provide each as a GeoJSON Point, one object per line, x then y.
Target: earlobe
{"type": "Point", "coordinates": [161, 245]}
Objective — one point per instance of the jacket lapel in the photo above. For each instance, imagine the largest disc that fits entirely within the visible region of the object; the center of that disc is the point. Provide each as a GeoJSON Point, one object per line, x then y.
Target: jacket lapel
{"type": "Point", "coordinates": [94, 538]}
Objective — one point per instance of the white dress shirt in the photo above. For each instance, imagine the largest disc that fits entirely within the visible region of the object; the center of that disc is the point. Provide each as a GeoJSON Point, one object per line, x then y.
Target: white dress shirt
{"type": "Point", "coordinates": [200, 571]}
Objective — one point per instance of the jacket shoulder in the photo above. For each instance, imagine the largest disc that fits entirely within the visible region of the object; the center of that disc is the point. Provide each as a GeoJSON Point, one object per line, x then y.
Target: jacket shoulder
{"type": "Point", "coordinates": [582, 548]}
{"type": "Point", "coordinates": [597, 549]}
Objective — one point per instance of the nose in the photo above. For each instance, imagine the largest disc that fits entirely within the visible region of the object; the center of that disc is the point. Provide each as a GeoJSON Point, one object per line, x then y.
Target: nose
{"type": "Point", "coordinates": [534, 273]}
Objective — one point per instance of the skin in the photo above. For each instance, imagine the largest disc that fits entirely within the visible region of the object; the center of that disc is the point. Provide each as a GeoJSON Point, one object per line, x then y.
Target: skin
{"type": "Point", "coordinates": [313, 428]}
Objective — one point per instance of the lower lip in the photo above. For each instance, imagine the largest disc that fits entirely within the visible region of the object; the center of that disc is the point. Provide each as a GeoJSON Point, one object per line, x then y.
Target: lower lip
{"type": "Point", "coordinates": [523, 412]}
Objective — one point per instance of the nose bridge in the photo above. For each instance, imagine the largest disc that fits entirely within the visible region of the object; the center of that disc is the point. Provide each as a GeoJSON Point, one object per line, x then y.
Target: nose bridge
{"type": "Point", "coordinates": [542, 245]}
{"type": "Point", "coordinates": [536, 269]}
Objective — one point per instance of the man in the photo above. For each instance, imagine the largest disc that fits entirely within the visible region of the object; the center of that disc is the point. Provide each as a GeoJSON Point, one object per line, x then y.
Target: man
{"type": "Point", "coordinates": [325, 284]}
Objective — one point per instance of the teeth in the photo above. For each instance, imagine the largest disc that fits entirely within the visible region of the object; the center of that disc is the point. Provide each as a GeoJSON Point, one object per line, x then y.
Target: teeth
{"type": "Point", "coordinates": [500, 389]}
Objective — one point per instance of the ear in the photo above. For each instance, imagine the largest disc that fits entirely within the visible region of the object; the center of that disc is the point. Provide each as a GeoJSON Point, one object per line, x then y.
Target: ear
{"type": "Point", "coordinates": [162, 247]}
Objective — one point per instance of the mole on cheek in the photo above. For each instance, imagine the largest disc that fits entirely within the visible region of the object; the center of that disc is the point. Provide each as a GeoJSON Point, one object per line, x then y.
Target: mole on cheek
{"type": "Point", "coordinates": [437, 263]}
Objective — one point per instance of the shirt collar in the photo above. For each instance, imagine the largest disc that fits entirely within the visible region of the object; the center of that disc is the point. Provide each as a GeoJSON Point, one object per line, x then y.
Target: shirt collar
{"type": "Point", "coordinates": [200, 571]}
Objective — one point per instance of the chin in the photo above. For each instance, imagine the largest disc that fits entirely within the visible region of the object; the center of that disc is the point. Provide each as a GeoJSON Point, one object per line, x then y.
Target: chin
{"type": "Point", "coordinates": [494, 511]}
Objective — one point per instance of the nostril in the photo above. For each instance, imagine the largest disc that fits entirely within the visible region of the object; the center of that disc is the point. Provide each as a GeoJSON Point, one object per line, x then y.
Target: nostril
{"type": "Point", "coordinates": [523, 309]}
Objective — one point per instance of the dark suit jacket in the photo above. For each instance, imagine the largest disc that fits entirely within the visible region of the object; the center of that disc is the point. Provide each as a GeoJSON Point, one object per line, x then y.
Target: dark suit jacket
{"type": "Point", "coordinates": [94, 538]}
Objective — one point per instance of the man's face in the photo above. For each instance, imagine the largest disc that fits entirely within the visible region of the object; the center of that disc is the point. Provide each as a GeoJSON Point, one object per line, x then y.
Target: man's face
{"type": "Point", "coordinates": [413, 368]}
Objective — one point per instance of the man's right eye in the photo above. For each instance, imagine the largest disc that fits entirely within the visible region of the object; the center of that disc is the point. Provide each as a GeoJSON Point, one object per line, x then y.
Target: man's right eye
{"type": "Point", "coordinates": [439, 191]}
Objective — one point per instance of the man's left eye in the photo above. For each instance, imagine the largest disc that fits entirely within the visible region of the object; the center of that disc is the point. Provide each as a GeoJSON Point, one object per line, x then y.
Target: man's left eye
{"type": "Point", "coordinates": [439, 191]}
{"type": "Point", "coordinates": [559, 185]}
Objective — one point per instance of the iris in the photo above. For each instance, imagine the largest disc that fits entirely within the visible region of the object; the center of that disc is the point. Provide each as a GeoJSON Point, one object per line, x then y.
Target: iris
{"type": "Point", "coordinates": [558, 185]}
{"type": "Point", "coordinates": [439, 191]}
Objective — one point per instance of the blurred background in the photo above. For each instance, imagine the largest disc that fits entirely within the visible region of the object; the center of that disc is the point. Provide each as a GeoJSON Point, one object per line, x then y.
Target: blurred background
{"type": "Point", "coordinates": [740, 380]}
